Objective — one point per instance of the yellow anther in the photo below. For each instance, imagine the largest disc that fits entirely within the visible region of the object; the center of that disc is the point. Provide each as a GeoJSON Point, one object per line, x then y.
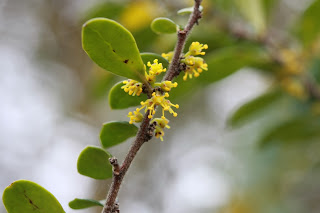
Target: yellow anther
{"type": "Point", "coordinates": [195, 65]}
{"type": "Point", "coordinates": [132, 87]}
{"type": "Point", "coordinates": [196, 49]}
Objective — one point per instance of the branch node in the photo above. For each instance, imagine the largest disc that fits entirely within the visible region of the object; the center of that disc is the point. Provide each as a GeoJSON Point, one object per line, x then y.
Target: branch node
{"type": "Point", "coordinates": [150, 131]}
{"type": "Point", "coordinates": [116, 208]}
{"type": "Point", "coordinates": [116, 168]}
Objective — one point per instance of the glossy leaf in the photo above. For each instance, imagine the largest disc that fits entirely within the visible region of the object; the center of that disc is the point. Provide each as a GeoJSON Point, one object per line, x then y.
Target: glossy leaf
{"type": "Point", "coordinates": [113, 48]}
{"type": "Point", "coordinates": [28, 197]}
{"type": "Point", "coordinates": [84, 203]}
{"type": "Point", "coordinates": [119, 99]}
{"type": "Point", "coordinates": [299, 129]}
{"type": "Point", "coordinates": [308, 28]}
{"type": "Point", "coordinates": [254, 107]}
{"type": "Point", "coordinates": [226, 61]}
{"type": "Point", "coordinates": [94, 162]}
{"type": "Point", "coordinates": [113, 133]}
{"type": "Point", "coordinates": [164, 25]}
{"type": "Point", "coordinates": [151, 56]}
{"type": "Point", "coordinates": [187, 10]}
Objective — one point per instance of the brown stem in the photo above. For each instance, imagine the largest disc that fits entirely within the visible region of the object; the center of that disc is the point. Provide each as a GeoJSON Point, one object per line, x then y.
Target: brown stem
{"type": "Point", "coordinates": [182, 37]}
{"type": "Point", "coordinates": [146, 130]}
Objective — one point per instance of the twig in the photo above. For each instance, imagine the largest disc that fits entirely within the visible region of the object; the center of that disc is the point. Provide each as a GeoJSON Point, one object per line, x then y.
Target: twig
{"type": "Point", "coordinates": [146, 130]}
{"type": "Point", "coordinates": [182, 36]}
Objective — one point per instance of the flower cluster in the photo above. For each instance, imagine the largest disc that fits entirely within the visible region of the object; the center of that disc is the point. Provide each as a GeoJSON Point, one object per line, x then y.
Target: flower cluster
{"type": "Point", "coordinates": [157, 99]}
{"type": "Point", "coordinates": [193, 67]}
{"type": "Point", "coordinates": [155, 69]}
{"type": "Point", "coordinates": [161, 123]}
{"type": "Point", "coordinates": [132, 87]}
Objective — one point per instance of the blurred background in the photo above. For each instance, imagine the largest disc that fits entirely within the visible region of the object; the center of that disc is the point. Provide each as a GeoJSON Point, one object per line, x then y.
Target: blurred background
{"type": "Point", "coordinates": [53, 101]}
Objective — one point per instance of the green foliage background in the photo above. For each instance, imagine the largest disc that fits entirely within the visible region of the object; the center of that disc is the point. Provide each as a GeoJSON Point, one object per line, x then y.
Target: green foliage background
{"type": "Point", "coordinates": [266, 147]}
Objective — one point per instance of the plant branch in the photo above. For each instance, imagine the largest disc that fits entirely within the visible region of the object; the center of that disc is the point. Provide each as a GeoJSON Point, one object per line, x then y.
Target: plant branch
{"type": "Point", "coordinates": [173, 70]}
{"type": "Point", "coordinates": [146, 129]}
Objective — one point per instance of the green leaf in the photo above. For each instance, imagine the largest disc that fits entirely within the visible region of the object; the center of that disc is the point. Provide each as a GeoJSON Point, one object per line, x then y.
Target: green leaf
{"type": "Point", "coordinates": [268, 6]}
{"type": "Point", "coordinates": [253, 11]}
{"type": "Point", "coordinates": [109, 10]}
{"type": "Point", "coordinates": [315, 69]}
{"type": "Point", "coordinates": [187, 10]}
{"type": "Point", "coordinates": [84, 203]}
{"type": "Point", "coordinates": [28, 197]}
{"type": "Point", "coordinates": [113, 48]}
{"type": "Point", "coordinates": [254, 107]}
{"type": "Point", "coordinates": [163, 25]}
{"type": "Point", "coordinates": [151, 56]}
{"type": "Point", "coordinates": [298, 129]}
{"type": "Point", "coordinates": [94, 162]}
{"type": "Point", "coordinates": [119, 99]}
{"type": "Point", "coordinates": [308, 27]}
{"type": "Point", "coordinates": [113, 133]}
{"type": "Point", "coordinates": [226, 61]}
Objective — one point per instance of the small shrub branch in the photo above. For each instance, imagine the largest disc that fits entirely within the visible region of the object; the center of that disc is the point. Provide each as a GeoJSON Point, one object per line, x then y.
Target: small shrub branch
{"type": "Point", "coordinates": [146, 129]}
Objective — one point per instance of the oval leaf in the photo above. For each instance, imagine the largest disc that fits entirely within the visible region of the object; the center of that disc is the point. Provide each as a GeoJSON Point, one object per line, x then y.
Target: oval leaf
{"type": "Point", "coordinates": [113, 48]}
{"type": "Point", "coordinates": [28, 197]}
{"type": "Point", "coordinates": [163, 25]}
{"type": "Point", "coordinates": [299, 129]}
{"type": "Point", "coordinates": [308, 27]}
{"type": "Point", "coordinates": [113, 133]}
{"type": "Point", "coordinates": [226, 61]}
{"type": "Point", "coordinates": [119, 99]}
{"type": "Point", "coordinates": [253, 107]}
{"type": "Point", "coordinates": [94, 162]}
{"type": "Point", "coordinates": [151, 56]}
{"type": "Point", "coordinates": [188, 10]}
{"type": "Point", "coordinates": [84, 203]}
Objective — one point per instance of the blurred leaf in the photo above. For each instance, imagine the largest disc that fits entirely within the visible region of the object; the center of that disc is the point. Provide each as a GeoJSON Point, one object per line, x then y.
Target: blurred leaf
{"type": "Point", "coordinates": [298, 129]}
{"type": "Point", "coordinates": [99, 83]}
{"type": "Point", "coordinates": [113, 48]}
{"type": "Point", "coordinates": [28, 197]}
{"type": "Point", "coordinates": [151, 56]}
{"type": "Point", "coordinates": [163, 25]}
{"type": "Point", "coordinates": [254, 107]}
{"type": "Point", "coordinates": [315, 69]}
{"type": "Point", "coordinates": [253, 11]}
{"type": "Point", "coordinates": [113, 133]}
{"type": "Point", "coordinates": [105, 10]}
{"type": "Point", "coordinates": [119, 99]}
{"type": "Point", "coordinates": [94, 162]}
{"type": "Point", "coordinates": [83, 203]}
{"type": "Point", "coordinates": [187, 10]}
{"type": "Point", "coordinates": [268, 5]}
{"type": "Point", "coordinates": [145, 38]}
{"type": "Point", "coordinates": [308, 27]}
{"type": "Point", "coordinates": [221, 63]}
{"type": "Point", "coordinates": [226, 61]}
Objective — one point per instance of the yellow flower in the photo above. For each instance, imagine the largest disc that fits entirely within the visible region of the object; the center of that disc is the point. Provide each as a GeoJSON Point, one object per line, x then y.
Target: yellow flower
{"type": "Point", "coordinates": [195, 65]}
{"type": "Point", "coordinates": [295, 88]}
{"type": "Point", "coordinates": [168, 56]}
{"type": "Point", "coordinates": [132, 87]}
{"type": "Point", "coordinates": [159, 133]}
{"type": "Point", "coordinates": [135, 117]}
{"type": "Point", "coordinates": [155, 68]}
{"type": "Point", "coordinates": [161, 124]}
{"type": "Point", "coordinates": [196, 49]}
{"type": "Point", "coordinates": [167, 85]}
{"type": "Point", "coordinates": [158, 99]}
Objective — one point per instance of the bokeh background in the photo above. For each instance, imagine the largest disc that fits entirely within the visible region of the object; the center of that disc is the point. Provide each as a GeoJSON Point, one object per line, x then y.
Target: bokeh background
{"type": "Point", "coordinates": [53, 101]}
